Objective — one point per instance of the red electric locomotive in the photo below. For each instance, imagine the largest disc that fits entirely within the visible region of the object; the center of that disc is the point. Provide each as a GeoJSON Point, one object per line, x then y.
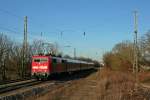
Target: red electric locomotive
{"type": "Point", "coordinates": [44, 66]}
{"type": "Point", "coordinates": [41, 66]}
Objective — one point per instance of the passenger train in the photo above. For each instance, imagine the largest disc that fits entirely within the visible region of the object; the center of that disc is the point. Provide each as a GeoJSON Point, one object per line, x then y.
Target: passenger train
{"type": "Point", "coordinates": [44, 66]}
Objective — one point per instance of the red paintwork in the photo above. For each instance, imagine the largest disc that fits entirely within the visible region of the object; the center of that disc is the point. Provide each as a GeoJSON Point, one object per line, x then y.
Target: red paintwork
{"type": "Point", "coordinates": [39, 66]}
{"type": "Point", "coordinates": [50, 64]}
{"type": "Point", "coordinates": [59, 67]}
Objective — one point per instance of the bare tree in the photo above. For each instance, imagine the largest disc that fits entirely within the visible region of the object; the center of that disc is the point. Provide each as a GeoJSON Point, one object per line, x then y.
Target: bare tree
{"type": "Point", "coordinates": [144, 44]}
{"type": "Point", "coordinates": [121, 56]}
{"type": "Point", "coordinates": [37, 47]}
{"type": "Point", "coordinates": [5, 50]}
{"type": "Point", "coordinates": [41, 47]}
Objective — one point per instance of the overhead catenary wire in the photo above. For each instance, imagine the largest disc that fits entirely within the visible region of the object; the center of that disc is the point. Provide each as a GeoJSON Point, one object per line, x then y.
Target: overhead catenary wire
{"type": "Point", "coordinates": [10, 13]}
{"type": "Point", "coordinates": [30, 21]}
{"type": "Point", "coordinates": [13, 15]}
{"type": "Point", "coordinates": [9, 30]}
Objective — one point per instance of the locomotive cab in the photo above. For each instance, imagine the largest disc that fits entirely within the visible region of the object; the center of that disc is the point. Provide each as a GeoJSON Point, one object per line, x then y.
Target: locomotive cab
{"type": "Point", "coordinates": [40, 66]}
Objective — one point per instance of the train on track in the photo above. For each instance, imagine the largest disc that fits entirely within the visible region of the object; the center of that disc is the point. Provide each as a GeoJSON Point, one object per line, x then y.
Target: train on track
{"type": "Point", "coordinates": [44, 66]}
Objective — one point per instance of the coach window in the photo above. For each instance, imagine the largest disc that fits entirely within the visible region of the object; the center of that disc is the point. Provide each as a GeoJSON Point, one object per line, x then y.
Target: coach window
{"type": "Point", "coordinates": [54, 60]}
{"type": "Point", "coordinates": [63, 61]}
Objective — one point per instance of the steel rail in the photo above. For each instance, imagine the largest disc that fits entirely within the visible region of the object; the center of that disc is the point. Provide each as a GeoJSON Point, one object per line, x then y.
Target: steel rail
{"type": "Point", "coordinates": [8, 88]}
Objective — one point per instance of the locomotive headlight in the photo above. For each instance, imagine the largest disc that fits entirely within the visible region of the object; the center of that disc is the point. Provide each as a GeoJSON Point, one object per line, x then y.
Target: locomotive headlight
{"type": "Point", "coordinates": [43, 67]}
{"type": "Point", "coordinates": [35, 67]}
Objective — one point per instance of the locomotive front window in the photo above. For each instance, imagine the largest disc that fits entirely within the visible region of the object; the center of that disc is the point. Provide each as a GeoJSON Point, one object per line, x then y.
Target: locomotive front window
{"type": "Point", "coordinates": [44, 59]}
{"type": "Point", "coordinates": [36, 60]}
{"type": "Point", "coordinates": [40, 59]}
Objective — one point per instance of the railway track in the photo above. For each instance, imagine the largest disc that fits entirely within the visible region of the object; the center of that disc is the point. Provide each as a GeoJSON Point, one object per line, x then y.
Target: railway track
{"type": "Point", "coordinates": [23, 84]}
{"type": "Point", "coordinates": [17, 85]}
{"type": "Point", "coordinates": [11, 81]}
{"type": "Point", "coordinates": [33, 88]}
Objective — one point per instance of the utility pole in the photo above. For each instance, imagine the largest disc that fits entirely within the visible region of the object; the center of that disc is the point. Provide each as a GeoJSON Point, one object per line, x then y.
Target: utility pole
{"type": "Point", "coordinates": [61, 33]}
{"type": "Point", "coordinates": [25, 34]}
{"type": "Point", "coordinates": [41, 44]}
{"type": "Point", "coordinates": [135, 63]}
{"type": "Point", "coordinates": [74, 53]}
{"type": "Point", "coordinates": [24, 51]}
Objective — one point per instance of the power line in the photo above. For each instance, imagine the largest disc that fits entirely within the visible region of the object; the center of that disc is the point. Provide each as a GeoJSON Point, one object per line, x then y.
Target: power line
{"type": "Point", "coordinates": [30, 21]}
{"type": "Point", "coordinates": [10, 30]}
{"type": "Point", "coordinates": [16, 16]}
{"type": "Point", "coordinates": [10, 13]}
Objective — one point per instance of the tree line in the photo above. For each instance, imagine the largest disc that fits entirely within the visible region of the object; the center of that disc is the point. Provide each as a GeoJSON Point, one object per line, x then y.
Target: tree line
{"type": "Point", "coordinates": [11, 56]}
{"type": "Point", "coordinates": [121, 57]}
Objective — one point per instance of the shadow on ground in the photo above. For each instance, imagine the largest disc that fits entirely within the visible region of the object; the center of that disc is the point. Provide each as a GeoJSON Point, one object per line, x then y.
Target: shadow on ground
{"type": "Point", "coordinates": [72, 76]}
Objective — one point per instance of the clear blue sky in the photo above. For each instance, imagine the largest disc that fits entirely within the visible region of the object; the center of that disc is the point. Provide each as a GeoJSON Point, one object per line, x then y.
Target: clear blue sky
{"type": "Point", "coordinates": [106, 22]}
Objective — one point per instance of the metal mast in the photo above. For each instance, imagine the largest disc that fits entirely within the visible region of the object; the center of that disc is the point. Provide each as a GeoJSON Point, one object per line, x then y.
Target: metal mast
{"type": "Point", "coordinates": [74, 49]}
{"type": "Point", "coordinates": [135, 63]}
{"type": "Point", "coordinates": [24, 60]}
{"type": "Point", "coordinates": [25, 35]}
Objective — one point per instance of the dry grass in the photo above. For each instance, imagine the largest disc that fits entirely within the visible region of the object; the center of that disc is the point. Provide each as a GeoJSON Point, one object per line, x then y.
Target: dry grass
{"type": "Point", "coordinates": [144, 76]}
{"type": "Point", "coordinates": [115, 85]}
{"type": "Point", "coordinates": [102, 85]}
